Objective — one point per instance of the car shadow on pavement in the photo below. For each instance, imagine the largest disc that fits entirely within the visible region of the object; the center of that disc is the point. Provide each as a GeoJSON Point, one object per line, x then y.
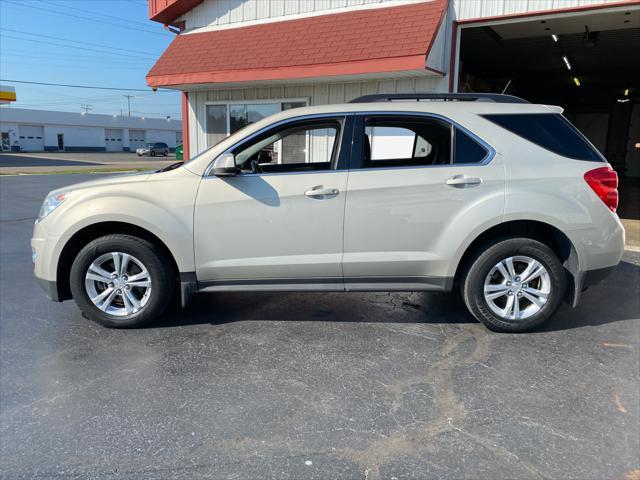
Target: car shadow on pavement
{"type": "Point", "coordinates": [615, 299]}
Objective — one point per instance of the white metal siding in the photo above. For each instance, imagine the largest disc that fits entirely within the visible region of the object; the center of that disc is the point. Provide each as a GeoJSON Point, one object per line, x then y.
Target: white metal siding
{"type": "Point", "coordinates": [226, 12]}
{"type": "Point", "coordinates": [471, 9]}
{"type": "Point", "coordinates": [236, 12]}
{"type": "Point", "coordinates": [31, 137]}
{"type": "Point", "coordinates": [320, 94]}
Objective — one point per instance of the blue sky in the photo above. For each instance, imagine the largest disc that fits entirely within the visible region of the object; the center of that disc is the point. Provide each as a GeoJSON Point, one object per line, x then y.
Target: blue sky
{"type": "Point", "coordinates": [83, 42]}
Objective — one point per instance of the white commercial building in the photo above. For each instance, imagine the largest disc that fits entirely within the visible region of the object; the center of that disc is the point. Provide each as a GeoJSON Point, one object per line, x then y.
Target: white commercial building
{"type": "Point", "coordinates": [44, 130]}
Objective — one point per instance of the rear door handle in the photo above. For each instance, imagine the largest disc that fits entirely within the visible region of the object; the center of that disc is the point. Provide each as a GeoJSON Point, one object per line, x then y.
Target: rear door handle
{"type": "Point", "coordinates": [321, 192]}
{"type": "Point", "coordinates": [462, 181]}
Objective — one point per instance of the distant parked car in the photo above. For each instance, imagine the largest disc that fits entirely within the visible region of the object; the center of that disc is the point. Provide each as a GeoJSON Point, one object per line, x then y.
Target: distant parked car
{"type": "Point", "coordinates": [153, 149]}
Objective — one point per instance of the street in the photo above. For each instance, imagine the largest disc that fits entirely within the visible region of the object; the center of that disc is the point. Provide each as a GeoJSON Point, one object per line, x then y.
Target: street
{"type": "Point", "coordinates": [311, 385]}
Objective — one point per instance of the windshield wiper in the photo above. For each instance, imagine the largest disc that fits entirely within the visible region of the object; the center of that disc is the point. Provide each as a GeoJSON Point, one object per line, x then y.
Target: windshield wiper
{"type": "Point", "coordinates": [173, 166]}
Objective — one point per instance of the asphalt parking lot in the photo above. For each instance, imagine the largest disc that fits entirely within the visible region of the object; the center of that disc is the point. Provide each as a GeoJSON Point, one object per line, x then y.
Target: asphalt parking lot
{"type": "Point", "coordinates": [76, 162]}
{"type": "Point", "coordinates": [311, 386]}
{"type": "Point", "coordinates": [12, 160]}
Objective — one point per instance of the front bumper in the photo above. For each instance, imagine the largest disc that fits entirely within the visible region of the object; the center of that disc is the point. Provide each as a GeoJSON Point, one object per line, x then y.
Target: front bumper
{"type": "Point", "coordinates": [46, 251]}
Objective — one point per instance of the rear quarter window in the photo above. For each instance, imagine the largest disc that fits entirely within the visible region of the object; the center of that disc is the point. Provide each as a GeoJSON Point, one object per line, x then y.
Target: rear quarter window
{"type": "Point", "coordinates": [550, 131]}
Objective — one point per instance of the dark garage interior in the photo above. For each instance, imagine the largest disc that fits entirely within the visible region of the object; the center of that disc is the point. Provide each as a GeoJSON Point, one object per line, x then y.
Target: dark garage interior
{"type": "Point", "coordinates": [583, 62]}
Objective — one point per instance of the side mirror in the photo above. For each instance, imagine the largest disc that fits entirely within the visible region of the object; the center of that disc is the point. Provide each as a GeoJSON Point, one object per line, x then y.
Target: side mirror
{"type": "Point", "coordinates": [225, 166]}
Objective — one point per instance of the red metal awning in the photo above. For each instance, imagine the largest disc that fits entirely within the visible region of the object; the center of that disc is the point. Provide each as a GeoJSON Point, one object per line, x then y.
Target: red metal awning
{"type": "Point", "coordinates": [390, 39]}
{"type": "Point", "coordinates": [166, 11]}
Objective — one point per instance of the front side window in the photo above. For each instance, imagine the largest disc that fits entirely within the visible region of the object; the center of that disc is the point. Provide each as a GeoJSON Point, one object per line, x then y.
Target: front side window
{"type": "Point", "coordinates": [402, 142]}
{"type": "Point", "coordinates": [304, 146]}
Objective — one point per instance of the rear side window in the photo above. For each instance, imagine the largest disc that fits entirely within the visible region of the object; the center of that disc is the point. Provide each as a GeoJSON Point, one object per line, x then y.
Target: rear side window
{"type": "Point", "coordinates": [550, 131]}
{"type": "Point", "coordinates": [466, 149]}
{"type": "Point", "coordinates": [406, 142]}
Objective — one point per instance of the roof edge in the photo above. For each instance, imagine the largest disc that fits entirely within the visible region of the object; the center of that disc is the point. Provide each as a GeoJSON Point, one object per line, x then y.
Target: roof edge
{"type": "Point", "coordinates": [393, 64]}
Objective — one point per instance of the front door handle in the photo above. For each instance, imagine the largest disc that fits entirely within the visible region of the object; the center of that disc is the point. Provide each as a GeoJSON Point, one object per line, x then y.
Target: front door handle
{"type": "Point", "coordinates": [462, 181]}
{"type": "Point", "coordinates": [322, 192]}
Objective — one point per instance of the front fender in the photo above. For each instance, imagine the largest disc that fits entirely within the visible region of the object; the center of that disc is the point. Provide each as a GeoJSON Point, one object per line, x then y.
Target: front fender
{"type": "Point", "coordinates": [163, 206]}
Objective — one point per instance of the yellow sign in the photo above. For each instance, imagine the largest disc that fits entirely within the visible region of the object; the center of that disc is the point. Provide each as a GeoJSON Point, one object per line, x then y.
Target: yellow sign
{"type": "Point", "coordinates": [7, 94]}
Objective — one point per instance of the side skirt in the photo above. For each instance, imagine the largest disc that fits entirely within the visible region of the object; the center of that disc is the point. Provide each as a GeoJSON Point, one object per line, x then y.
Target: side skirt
{"type": "Point", "coordinates": [331, 284]}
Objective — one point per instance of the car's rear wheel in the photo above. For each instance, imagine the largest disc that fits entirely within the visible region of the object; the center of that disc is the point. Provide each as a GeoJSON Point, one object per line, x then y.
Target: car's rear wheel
{"type": "Point", "coordinates": [514, 285]}
{"type": "Point", "coordinates": [121, 281]}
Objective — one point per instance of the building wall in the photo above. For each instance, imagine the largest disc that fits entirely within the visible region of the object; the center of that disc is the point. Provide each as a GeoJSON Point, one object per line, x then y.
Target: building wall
{"type": "Point", "coordinates": [75, 138]}
{"type": "Point", "coordinates": [235, 13]}
{"type": "Point", "coordinates": [319, 94]}
{"type": "Point", "coordinates": [471, 9]}
{"type": "Point", "coordinates": [86, 132]}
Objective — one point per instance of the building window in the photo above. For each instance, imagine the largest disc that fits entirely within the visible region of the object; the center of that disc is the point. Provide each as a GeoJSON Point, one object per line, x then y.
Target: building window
{"type": "Point", "coordinates": [224, 119]}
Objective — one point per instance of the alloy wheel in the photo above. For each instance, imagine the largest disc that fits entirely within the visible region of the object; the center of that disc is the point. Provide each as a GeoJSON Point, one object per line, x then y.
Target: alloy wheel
{"type": "Point", "coordinates": [517, 287]}
{"type": "Point", "coordinates": [118, 284]}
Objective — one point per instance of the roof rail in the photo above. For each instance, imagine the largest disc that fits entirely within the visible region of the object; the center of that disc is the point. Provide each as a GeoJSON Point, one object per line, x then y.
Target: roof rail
{"type": "Point", "coordinates": [446, 97]}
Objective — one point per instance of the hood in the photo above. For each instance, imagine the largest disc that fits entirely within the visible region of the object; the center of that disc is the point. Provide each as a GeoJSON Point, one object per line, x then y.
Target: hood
{"type": "Point", "coordinates": [117, 179]}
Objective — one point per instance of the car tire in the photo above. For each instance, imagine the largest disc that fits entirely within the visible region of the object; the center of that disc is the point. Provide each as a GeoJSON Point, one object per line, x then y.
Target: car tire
{"type": "Point", "coordinates": [153, 154]}
{"type": "Point", "coordinates": [130, 302]}
{"type": "Point", "coordinates": [513, 284]}
{"type": "Point", "coordinates": [165, 153]}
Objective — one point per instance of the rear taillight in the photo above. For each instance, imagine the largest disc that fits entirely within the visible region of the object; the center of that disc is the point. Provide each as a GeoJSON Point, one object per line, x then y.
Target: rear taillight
{"type": "Point", "coordinates": [604, 181]}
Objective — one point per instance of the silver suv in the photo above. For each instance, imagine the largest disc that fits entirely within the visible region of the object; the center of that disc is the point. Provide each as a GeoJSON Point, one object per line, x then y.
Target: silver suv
{"type": "Point", "coordinates": [153, 149]}
{"type": "Point", "coordinates": [503, 199]}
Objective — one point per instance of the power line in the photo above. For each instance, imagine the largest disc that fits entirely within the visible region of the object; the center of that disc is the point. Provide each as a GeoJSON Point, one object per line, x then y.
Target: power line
{"type": "Point", "coordinates": [47, 55]}
{"type": "Point", "coordinates": [84, 18]}
{"type": "Point", "coordinates": [79, 86]}
{"type": "Point", "coordinates": [84, 67]}
{"type": "Point", "coordinates": [73, 46]}
{"type": "Point", "coordinates": [101, 45]}
{"type": "Point", "coordinates": [100, 15]}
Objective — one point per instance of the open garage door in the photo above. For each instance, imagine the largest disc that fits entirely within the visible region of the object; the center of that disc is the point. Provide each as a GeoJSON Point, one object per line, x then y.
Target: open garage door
{"type": "Point", "coordinates": [587, 62]}
{"type": "Point", "coordinates": [31, 138]}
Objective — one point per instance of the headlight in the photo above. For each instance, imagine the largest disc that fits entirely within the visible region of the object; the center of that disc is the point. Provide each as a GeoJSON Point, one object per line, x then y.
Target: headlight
{"type": "Point", "coordinates": [51, 203]}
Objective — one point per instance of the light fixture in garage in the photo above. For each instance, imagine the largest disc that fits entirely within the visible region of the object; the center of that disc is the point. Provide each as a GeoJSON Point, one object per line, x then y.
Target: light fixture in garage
{"type": "Point", "coordinates": [566, 62]}
{"type": "Point", "coordinates": [626, 92]}
{"type": "Point", "coordinates": [554, 37]}
{"type": "Point", "coordinates": [576, 80]}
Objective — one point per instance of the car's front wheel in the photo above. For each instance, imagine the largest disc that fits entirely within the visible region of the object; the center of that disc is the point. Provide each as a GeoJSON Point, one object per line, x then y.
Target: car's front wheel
{"type": "Point", "coordinates": [514, 285]}
{"type": "Point", "coordinates": [122, 281]}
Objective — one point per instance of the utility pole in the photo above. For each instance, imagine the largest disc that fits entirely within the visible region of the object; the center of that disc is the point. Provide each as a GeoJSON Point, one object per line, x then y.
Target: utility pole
{"type": "Point", "coordinates": [129, 97]}
{"type": "Point", "coordinates": [86, 107]}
